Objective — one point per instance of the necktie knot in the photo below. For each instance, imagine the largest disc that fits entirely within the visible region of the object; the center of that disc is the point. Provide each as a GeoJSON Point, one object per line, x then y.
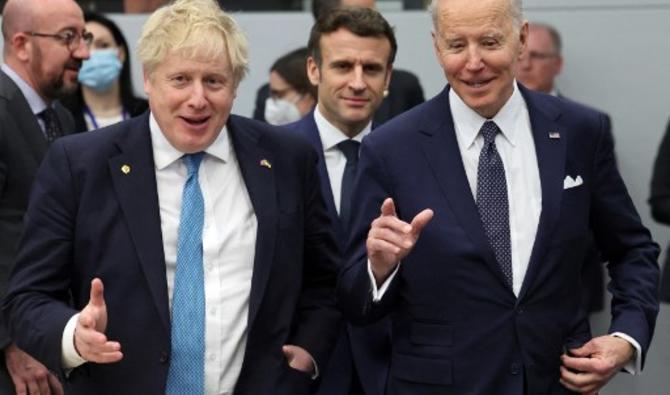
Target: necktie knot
{"type": "Point", "coordinates": [193, 162]}
{"type": "Point", "coordinates": [489, 130]}
{"type": "Point", "coordinates": [350, 150]}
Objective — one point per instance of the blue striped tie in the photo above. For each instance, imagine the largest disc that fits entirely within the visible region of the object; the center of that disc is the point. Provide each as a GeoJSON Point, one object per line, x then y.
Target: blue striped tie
{"type": "Point", "coordinates": [187, 365]}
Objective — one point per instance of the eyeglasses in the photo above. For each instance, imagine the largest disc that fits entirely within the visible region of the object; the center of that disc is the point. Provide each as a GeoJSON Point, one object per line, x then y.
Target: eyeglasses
{"type": "Point", "coordinates": [70, 38]}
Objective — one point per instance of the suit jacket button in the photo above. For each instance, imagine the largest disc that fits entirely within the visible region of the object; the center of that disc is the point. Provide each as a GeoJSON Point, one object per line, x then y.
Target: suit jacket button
{"type": "Point", "coordinates": [164, 357]}
{"type": "Point", "coordinates": [514, 368]}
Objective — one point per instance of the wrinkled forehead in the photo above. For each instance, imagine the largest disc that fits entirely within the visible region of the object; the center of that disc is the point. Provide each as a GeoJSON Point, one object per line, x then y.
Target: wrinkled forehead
{"type": "Point", "coordinates": [484, 14]}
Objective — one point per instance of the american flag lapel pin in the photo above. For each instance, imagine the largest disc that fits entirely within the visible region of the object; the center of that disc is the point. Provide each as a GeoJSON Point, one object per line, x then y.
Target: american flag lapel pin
{"type": "Point", "coordinates": [554, 135]}
{"type": "Point", "coordinates": [266, 163]}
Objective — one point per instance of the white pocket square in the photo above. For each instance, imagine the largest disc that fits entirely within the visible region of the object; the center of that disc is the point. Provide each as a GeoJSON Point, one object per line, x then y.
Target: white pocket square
{"type": "Point", "coordinates": [570, 182]}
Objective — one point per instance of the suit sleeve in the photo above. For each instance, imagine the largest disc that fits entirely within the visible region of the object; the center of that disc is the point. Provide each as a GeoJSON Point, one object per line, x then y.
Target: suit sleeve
{"type": "Point", "coordinates": [660, 182]}
{"type": "Point", "coordinates": [37, 302]}
{"type": "Point", "coordinates": [627, 245]}
{"type": "Point", "coordinates": [318, 320]}
{"type": "Point", "coordinates": [354, 288]}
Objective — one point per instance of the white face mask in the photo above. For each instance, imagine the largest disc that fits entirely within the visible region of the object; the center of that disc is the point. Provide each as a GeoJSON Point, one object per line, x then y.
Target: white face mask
{"type": "Point", "coordinates": [280, 111]}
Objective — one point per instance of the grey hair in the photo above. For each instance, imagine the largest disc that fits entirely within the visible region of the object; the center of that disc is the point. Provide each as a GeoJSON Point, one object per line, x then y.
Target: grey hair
{"type": "Point", "coordinates": [515, 10]}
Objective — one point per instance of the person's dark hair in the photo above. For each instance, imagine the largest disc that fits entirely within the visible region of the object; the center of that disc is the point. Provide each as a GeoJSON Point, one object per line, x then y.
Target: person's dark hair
{"type": "Point", "coordinates": [363, 22]}
{"type": "Point", "coordinates": [125, 80]}
{"type": "Point", "coordinates": [320, 7]}
{"type": "Point", "coordinates": [292, 67]}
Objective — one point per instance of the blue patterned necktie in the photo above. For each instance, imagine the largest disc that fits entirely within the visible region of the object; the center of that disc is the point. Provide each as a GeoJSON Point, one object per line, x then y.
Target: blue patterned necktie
{"type": "Point", "coordinates": [492, 199]}
{"type": "Point", "coordinates": [350, 150]}
{"type": "Point", "coordinates": [187, 365]}
{"type": "Point", "coordinates": [52, 129]}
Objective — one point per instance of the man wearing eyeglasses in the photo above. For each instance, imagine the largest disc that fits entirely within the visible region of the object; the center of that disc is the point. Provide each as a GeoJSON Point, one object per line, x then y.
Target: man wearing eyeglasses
{"type": "Point", "coordinates": [537, 69]}
{"type": "Point", "coordinates": [542, 61]}
{"type": "Point", "coordinates": [44, 46]}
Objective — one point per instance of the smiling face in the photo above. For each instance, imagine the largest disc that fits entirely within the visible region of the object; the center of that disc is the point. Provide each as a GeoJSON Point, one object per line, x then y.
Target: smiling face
{"type": "Point", "coordinates": [478, 45]}
{"type": "Point", "coordinates": [191, 99]}
{"type": "Point", "coordinates": [352, 77]}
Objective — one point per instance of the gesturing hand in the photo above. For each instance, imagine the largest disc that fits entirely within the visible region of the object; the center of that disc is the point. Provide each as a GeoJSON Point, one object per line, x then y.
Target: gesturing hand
{"type": "Point", "coordinates": [391, 239]}
{"type": "Point", "coordinates": [89, 335]}
{"type": "Point", "coordinates": [592, 365]}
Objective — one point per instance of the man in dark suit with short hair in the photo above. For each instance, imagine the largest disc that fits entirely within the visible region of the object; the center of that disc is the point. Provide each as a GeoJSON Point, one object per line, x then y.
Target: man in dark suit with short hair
{"type": "Point", "coordinates": [43, 51]}
{"type": "Point", "coordinates": [351, 53]}
{"type": "Point", "coordinates": [185, 251]}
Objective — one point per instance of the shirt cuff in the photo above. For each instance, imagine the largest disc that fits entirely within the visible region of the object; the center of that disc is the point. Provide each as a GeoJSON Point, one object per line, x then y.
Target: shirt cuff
{"type": "Point", "coordinates": [377, 294]}
{"type": "Point", "coordinates": [69, 355]}
{"type": "Point", "coordinates": [316, 368]}
{"type": "Point", "coordinates": [634, 366]}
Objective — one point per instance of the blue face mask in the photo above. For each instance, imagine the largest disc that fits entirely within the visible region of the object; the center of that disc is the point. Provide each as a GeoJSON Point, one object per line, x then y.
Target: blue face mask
{"type": "Point", "coordinates": [101, 70]}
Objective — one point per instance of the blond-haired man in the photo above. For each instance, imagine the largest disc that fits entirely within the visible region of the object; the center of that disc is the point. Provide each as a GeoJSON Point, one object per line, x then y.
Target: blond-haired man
{"type": "Point", "coordinates": [207, 230]}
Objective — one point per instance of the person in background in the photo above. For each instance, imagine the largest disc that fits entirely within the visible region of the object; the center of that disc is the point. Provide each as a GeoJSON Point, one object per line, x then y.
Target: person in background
{"type": "Point", "coordinates": [292, 95]}
{"type": "Point", "coordinates": [538, 67]}
{"type": "Point", "coordinates": [351, 54]}
{"type": "Point", "coordinates": [105, 95]}
{"type": "Point", "coordinates": [184, 251]}
{"type": "Point", "coordinates": [541, 62]}
{"type": "Point", "coordinates": [659, 200]}
{"type": "Point", "coordinates": [470, 227]}
{"type": "Point", "coordinates": [44, 45]}
{"type": "Point", "coordinates": [404, 90]}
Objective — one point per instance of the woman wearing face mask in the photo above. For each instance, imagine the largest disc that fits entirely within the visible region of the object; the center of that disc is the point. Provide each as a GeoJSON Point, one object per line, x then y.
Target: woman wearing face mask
{"type": "Point", "coordinates": [291, 94]}
{"type": "Point", "coordinates": [105, 95]}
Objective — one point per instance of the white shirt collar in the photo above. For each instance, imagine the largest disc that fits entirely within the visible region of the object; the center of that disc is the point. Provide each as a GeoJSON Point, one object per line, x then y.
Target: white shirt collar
{"type": "Point", "coordinates": [35, 101]}
{"type": "Point", "coordinates": [331, 135]}
{"type": "Point", "coordinates": [165, 154]}
{"type": "Point", "coordinates": [468, 122]}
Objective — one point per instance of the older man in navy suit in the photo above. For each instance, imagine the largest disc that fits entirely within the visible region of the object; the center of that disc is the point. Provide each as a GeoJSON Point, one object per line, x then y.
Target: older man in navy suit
{"type": "Point", "coordinates": [351, 57]}
{"type": "Point", "coordinates": [471, 222]}
{"type": "Point", "coordinates": [207, 230]}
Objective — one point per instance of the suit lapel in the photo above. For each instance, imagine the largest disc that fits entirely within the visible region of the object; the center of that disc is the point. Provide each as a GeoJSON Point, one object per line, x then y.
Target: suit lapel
{"type": "Point", "coordinates": [23, 117]}
{"type": "Point", "coordinates": [440, 147]}
{"type": "Point", "coordinates": [134, 178]}
{"type": "Point", "coordinates": [260, 183]}
{"type": "Point", "coordinates": [551, 163]}
{"type": "Point", "coordinates": [311, 131]}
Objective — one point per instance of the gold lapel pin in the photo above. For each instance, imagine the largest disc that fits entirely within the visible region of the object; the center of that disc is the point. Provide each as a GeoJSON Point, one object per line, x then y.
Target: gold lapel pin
{"type": "Point", "coordinates": [266, 163]}
{"type": "Point", "coordinates": [125, 169]}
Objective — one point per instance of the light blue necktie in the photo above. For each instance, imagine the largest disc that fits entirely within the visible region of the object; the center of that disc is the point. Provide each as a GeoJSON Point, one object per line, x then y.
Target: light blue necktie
{"type": "Point", "coordinates": [492, 199]}
{"type": "Point", "coordinates": [187, 364]}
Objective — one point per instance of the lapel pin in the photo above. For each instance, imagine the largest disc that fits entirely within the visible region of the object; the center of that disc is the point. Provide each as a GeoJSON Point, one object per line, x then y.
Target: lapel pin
{"type": "Point", "coordinates": [125, 169]}
{"type": "Point", "coordinates": [554, 135]}
{"type": "Point", "coordinates": [266, 163]}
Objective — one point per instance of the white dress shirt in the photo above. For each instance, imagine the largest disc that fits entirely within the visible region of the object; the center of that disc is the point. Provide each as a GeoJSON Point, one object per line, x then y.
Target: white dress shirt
{"type": "Point", "coordinates": [335, 159]}
{"type": "Point", "coordinates": [228, 240]}
{"type": "Point", "coordinates": [516, 148]}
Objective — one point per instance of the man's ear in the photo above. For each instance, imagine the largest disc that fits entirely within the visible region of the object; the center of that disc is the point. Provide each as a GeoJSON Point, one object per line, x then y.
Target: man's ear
{"type": "Point", "coordinates": [313, 72]}
{"type": "Point", "coordinates": [22, 47]}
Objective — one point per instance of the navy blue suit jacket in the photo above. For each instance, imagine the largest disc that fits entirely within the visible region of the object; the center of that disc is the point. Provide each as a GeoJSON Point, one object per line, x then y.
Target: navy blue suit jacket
{"type": "Point", "coordinates": [88, 219]}
{"type": "Point", "coordinates": [366, 349]}
{"type": "Point", "coordinates": [457, 327]}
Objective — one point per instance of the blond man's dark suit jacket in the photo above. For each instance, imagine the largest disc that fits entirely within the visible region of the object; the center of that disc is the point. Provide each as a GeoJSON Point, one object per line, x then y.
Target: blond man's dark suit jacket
{"type": "Point", "coordinates": [88, 219]}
